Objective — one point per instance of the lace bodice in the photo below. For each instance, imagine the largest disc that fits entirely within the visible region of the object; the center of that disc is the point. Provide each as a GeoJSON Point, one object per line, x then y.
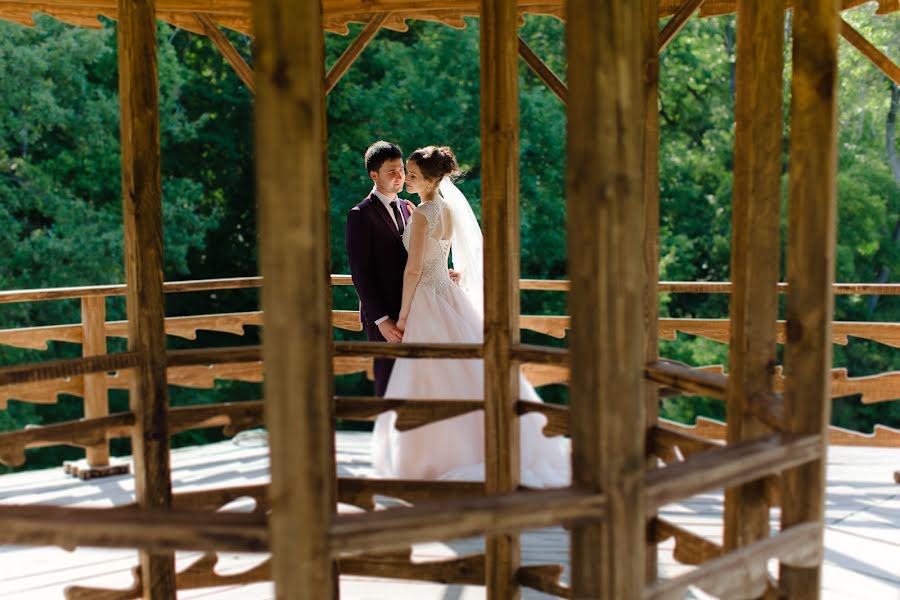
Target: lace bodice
{"type": "Point", "coordinates": [434, 268]}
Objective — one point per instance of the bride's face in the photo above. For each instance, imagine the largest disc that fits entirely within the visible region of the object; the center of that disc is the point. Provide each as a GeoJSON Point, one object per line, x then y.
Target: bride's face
{"type": "Point", "coordinates": [415, 181]}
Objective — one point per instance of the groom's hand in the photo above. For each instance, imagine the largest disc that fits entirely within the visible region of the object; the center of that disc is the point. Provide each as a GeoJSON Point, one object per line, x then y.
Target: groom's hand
{"type": "Point", "coordinates": [388, 329]}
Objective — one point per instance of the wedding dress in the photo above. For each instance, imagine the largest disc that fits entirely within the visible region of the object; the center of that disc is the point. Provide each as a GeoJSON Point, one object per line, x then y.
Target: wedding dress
{"type": "Point", "coordinates": [442, 312]}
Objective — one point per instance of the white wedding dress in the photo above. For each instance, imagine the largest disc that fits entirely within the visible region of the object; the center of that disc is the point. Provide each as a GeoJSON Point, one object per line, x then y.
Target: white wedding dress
{"type": "Point", "coordinates": [441, 312]}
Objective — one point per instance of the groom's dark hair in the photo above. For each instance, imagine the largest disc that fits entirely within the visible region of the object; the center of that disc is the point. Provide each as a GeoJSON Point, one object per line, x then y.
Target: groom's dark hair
{"type": "Point", "coordinates": [379, 152]}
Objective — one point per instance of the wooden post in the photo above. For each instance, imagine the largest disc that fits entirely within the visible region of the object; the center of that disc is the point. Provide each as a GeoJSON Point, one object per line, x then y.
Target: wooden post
{"type": "Point", "coordinates": [812, 218]}
{"type": "Point", "coordinates": [755, 250]}
{"type": "Point", "coordinates": [605, 194]}
{"type": "Point", "coordinates": [500, 219]}
{"type": "Point", "coordinates": [96, 402]}
{"type": "Point", "coordinates": [142, 213]}
{"type": "Point", "coordinates": [649, 28]}
{"type": "Point", "coordinates": [291, 171]}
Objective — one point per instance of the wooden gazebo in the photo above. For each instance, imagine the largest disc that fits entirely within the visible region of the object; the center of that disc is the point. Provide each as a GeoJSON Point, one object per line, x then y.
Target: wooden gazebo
{"type": "Point", "coordinates": [624, 468]}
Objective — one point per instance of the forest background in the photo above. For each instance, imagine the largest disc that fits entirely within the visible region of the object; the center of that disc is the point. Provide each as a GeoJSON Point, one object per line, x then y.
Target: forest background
{"type": "Point", "coordinates": [60, 202]}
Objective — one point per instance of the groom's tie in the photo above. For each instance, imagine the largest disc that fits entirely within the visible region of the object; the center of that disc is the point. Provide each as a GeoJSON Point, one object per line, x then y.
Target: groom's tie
{"type": "Point", "coordinates": [397, 216]}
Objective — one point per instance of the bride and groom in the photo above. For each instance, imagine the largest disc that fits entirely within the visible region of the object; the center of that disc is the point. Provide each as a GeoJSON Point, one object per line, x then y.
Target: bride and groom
{"type": "Point", "coordinates": [398, 255]}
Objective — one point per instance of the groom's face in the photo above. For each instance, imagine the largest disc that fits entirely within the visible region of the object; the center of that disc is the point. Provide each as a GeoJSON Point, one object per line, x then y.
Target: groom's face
{"type": "Point", "coordinates": [389, 177]}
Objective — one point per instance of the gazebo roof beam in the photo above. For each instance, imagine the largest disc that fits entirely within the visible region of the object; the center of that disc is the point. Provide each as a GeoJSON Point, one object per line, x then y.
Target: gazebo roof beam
{"type": "Point", "coordinates": [337, 14]}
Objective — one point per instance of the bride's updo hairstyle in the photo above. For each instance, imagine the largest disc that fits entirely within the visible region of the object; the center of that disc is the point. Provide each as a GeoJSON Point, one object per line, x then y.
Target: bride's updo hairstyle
{"type": "Point", "coordinates": [435, 162]}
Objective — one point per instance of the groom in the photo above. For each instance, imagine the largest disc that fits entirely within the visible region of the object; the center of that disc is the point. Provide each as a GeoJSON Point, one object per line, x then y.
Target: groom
{"type": "Point", "coordinates": [376, 253]}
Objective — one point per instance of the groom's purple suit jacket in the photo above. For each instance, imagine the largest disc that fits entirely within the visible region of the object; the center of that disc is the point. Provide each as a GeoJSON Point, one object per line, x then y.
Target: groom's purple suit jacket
{"type": "Point", "coordinates": [377, 260]}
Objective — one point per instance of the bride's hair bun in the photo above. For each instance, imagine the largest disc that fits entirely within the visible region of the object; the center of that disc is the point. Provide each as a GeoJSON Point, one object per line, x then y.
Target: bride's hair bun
{"type": "Point", "coordinates": [436, 162]}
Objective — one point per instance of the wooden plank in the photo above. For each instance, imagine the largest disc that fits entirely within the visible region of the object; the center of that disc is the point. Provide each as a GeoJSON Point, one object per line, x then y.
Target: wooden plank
{"type": "Point", "coordinates": [500, 223]}
{"type": "Point", "coordinates": [812, 215]}
{"type": "Point", "coordinates": [544, 578]}
{"type": "Point", "coordinates": [650, 146]}
{"type": "Point", "coordinates": [399, 528]}
{"type": "Point", "coordinates": [145, 304]}
{"type": "Point", "coordinates": [234, 58]}
{"type": "Point", "coordinates": [729, 466]}
{"type": "Point", "coordinates": [677, 22]}
{"type": "Point", "coordinates": [96, 403]}
{"type": "Point", "coordinates": [540, 68]}
{"type": "Point", "coordinates": [159, 530]}
{"type": "Point", "coordinates": [665, 440]}
{"type": "Point", "coordinates": [876, 56]}
{"type": "Point", "coordinates": [67, 367]}
{"type": "Point", "coordinates": [294, 255]}
{"type": "Point", "coordinates": [742, 573]}
{"type": "Point", "coordinates": [384, 350]}
{"type": "Point", "coordinates": [687, 379]}
{"type": "Point", "coordinates": [349, 56]}
{"type": "Point", "coordinates": [606, 227]}
{"type": "Point", "coordinates": [690, 548]}
{"type": "Point", "coordinates": [755, 250]}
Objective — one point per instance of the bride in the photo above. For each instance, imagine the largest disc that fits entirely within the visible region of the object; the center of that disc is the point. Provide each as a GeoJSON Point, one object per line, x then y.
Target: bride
{"type": "Point", "coordinates": [434, 309]}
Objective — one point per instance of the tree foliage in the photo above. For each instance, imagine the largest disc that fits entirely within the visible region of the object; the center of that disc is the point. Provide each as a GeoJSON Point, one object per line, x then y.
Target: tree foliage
{"type": "Point", "coordinates": [60, 203]}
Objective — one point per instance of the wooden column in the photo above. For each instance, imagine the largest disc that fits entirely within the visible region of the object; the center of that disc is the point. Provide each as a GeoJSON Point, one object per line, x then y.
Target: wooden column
{"type": "Point", "coordinates": [292, 196]}
{"type": "Point", "coordinates": [649, 29]}
{"type": "Point", "coordinates": [812, 212]}
{"type": "Point", "coordinates": [96, 400]}
{"type": "Point", "coordinates": [142, 213]}
{"type": "Point", "coordinates": [755, 250]}
{"type": "Point", "coordinates": [500, 219]}
{"type": "Point", "coordinates": [605, 194]}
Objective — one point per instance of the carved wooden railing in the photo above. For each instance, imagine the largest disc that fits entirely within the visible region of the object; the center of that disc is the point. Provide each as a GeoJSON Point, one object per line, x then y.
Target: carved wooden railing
{"type": "Point", "coordinates": [95, 430]}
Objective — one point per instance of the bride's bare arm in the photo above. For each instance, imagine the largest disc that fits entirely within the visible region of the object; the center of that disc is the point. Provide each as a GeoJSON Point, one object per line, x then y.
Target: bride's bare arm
{"type": "Point", "coordinates": [414, 263]}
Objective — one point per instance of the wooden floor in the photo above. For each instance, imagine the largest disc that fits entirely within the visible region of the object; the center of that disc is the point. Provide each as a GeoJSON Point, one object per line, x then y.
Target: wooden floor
{"type": "Point", "coordinates": [862, 536]}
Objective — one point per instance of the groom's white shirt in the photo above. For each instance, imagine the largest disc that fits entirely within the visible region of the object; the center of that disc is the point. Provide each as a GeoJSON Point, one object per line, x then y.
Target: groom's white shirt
{"type": "Point", "coordinates": [387, 205]}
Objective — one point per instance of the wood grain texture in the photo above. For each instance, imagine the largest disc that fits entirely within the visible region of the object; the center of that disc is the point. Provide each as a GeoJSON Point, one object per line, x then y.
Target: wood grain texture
{"type": "Point", "coordinates": [812, 215]}
{"type": "Point", "coordinates": [606, 228]}
{"type": "Point", "coordinates": [160, 530]}
{"type": "Point", "coordinates": [96, 403]}
{"type": "Point", "coordinates": [292, 200]}
{"type": "Point", "coordinates": [755, 249]}
{"type": "Point", "coordinates": [500, 223]}
{"type": "Point", "coordinates": [729, 466]}
{"type": "Point", "coordinates": [145, 304]}
{"type": "Point", "coordinates": [650, 148]}
{"type": "Point", "coordinates": [349, 56]}
{"type": "Point", "coordinates": [676, 23]}
{"type": "Point", "coordinates": [540, 68]}
{"type": "Point", "coordinates": [234, 58]}
{"type": "Point", "coordinates": [876, 56]}
{"type": "Point", "coordinates": [398, 528]}
{"type": "Point", "coordinates": [743, 573]}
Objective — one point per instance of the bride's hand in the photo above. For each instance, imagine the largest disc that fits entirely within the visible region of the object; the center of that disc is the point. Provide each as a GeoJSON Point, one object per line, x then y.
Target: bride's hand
{"type": "Point", "coordinates": [410, 205]}
{"type": "Point", "coordinates": [401, 325]}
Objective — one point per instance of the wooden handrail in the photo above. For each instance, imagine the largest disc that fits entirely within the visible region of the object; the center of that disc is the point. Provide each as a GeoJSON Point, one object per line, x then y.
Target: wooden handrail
{"type": "Point", "coordinates": [555, 285]}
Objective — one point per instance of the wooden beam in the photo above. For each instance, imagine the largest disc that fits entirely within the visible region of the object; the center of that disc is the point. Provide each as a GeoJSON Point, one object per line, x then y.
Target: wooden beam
{"type": "Point", "coordinates": [812, 216]}
{"type": "Point", "coordinates": [541, 69]}
{"type": "Point", "coordinates": [677, 22]}
{"type": "Point", "coordinates": [876, 56]}
{"type": "Point", "coordinates": [755, 249]}
{"type": "Point", "coordinates": [729, 466]}
{"type": "Point", "coordinates": [607, 224]}
{"type": "Point", "coordinates": [294, 251]}
{"type": "Point", "coordinates": [154, 529]}
{"type": "Point", "coordinates": [399, 528]}
{"type": "Point", "coordinates": [687, 379]}
{"type": "Point", "coordinates": [500, 221]}
{"type": "Point", "coordinates": [145, 303]}
{"type": "Point", "coordinates": [353, 51]}
{"type": "Point", "coordinates": [743, 573]}
{"type": "Point", "coordinates": [234, 58]}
